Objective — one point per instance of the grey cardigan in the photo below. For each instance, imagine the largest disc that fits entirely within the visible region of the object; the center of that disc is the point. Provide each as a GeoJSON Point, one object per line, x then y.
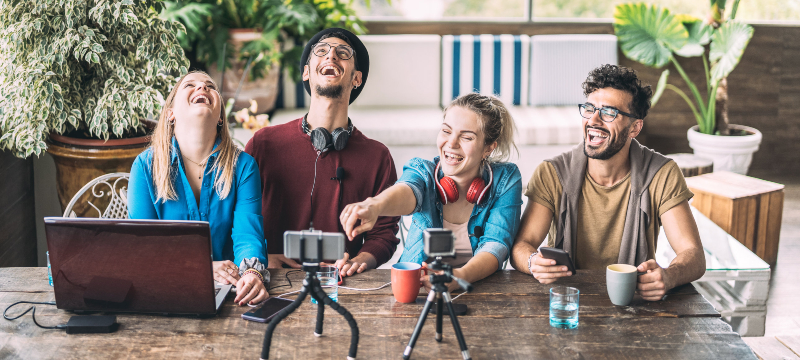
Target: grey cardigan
{"type": "Point", "coordinates": [571, 170]}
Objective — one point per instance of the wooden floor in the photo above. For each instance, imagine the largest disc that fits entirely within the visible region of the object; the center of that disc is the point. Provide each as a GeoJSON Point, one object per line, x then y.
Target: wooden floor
{"type": "Point", "coordinates": [782, 337]}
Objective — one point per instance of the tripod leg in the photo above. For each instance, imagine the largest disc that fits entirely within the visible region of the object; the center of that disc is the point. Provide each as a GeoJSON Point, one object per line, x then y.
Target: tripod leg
{"type": "Point", "coordinates": [420, 323]}
{"type": "Point", "coordinates": [320, 317]}
{"type": "Point", "coordinates": [282, 315]}
{"type": "Point", "coordinates": [323, 298]}
{"type": "Point", "coordinates": [459, 335]}
{"type": "Point", "coordinates": [439, 308]}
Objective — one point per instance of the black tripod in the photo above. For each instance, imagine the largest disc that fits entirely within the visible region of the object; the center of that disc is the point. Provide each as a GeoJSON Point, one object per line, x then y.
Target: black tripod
{"type": "Point", "coordinates": [311, 286]}
{"type": "Point", "coordinates": [441, 295]}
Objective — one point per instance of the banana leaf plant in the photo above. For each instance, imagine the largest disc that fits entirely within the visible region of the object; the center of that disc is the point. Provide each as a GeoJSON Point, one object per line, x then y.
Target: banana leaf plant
{"type": "Point", "coordinates": [653, 36]}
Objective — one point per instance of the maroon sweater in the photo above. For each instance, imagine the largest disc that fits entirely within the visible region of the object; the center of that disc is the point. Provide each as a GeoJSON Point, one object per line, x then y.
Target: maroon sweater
{"type": "Point", "coordinates": [285, 158]}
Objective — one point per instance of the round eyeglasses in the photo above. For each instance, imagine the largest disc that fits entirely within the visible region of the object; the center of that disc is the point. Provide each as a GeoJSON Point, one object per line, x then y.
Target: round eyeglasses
{"type": "Point", "coordinates": [344, 52]}
{"type": "Point", "coordinates": [607, 114]}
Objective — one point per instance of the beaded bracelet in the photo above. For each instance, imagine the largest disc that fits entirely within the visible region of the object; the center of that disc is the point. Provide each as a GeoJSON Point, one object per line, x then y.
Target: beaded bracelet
{"type": "Point", "coordinates": [529, 261]}
{"type": "Point", "coordinates": [254, 272]}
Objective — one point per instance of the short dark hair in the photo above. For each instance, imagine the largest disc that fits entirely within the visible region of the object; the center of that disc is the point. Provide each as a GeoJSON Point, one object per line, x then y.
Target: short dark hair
{"type": "Point", "coordinates": [621, 78]}
{"type": "Point", "coordinates": [341, 36]}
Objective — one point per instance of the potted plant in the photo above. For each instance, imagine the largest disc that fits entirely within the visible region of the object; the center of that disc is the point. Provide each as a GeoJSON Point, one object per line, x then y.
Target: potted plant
{"type": "Point", "coordinates": [256, 38]}
{"type": "Point", "coordinates": [653, 36]}
{"type": "Point", "coordinates": [79, 81]}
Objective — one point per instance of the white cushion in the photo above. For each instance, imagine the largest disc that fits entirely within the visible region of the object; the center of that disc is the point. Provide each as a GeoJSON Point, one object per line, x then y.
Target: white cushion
{"type": "Point", "coordinates": [403, 71]}
{"type": "Point", "coordinates": [547, 125]}
{"type": "Point", "coordinates": [560, 64]}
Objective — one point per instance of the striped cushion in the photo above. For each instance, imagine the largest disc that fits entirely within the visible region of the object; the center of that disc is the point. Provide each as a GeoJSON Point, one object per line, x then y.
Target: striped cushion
{"type": "Point", "coordinates": [489, 64]}
{"type": "Point", "coordinates": [561, 63]}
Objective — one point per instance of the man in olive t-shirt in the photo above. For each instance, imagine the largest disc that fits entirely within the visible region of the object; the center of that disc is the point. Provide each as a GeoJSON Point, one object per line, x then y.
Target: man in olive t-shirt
{"type": "Point", "coordinates": [597, 206]}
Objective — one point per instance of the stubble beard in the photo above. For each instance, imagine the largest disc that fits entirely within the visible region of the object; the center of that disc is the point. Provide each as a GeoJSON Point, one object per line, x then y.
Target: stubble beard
{"type": "Point", "coordinates": [614, 146]}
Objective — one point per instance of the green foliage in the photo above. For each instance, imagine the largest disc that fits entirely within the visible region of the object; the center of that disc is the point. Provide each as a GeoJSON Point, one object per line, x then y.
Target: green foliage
{"type": "Point", "coordinates": [283, 24]}
{"type": "Point", "coordinates": [652, 36]}
{"type": "Point", "coordinates": [79, 65]}
{"type": "Point", "coordinates": [648, 34]}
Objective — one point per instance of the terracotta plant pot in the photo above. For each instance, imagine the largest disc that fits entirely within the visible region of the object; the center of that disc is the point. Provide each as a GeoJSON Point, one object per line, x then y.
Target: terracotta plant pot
{"type": "Point", "coordinates": [78, 161]}
{"type": "Point", "coordinates": [264, 91]}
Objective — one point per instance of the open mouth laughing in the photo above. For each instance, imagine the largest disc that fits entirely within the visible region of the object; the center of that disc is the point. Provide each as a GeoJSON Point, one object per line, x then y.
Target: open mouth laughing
{"type": "Point", "coordinates": [200, 99]}
{"type": "Point", "coordinates": [595, 137]}
{"type": "Point", "coordinates": [330, 70]}
{"type": "Point", "coordinates": [452, 159]}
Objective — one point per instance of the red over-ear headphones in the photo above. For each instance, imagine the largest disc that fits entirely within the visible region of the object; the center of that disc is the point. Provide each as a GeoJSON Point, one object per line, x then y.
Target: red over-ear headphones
{"type": "Point", "coordinates": [448, 192]}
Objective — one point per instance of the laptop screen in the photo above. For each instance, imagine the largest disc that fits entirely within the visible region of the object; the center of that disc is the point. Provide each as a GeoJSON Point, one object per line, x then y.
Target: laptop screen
{"type": "Point", "coordinates": [149, 266]}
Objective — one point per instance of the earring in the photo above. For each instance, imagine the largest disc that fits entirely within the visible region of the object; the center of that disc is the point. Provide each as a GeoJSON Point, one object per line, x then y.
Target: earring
{"type": "Point", "coordinates": [171, 121]}
{"type": "Point", "coordinates": [355, 86]}
{"type": "Point", "coordinates": [219, 123]}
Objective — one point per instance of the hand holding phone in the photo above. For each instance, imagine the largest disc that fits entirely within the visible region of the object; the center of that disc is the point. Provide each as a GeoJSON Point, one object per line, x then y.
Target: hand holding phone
{"type": "Point", "coordinates": [543, 269]}
{"type": "Point", "coordinates": [560, 256]}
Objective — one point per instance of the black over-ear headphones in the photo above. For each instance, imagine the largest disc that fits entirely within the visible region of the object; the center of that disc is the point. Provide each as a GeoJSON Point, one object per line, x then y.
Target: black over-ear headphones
{"type": "Point", "coordinates": [324, 141]}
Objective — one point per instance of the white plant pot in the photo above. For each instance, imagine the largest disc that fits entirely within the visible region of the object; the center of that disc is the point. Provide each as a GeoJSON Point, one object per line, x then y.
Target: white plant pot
{"type": "Point", "coordinates": [729, 153]}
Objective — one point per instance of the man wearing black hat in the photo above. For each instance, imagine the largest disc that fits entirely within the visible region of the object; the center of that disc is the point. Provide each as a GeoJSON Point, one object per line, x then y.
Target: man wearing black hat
{"type": "Point", "coordinates": [313, 166]}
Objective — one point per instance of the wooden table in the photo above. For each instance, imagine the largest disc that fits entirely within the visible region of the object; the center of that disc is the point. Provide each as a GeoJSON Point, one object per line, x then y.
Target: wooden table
{"type": "Point", "coordinates": [507, 319]}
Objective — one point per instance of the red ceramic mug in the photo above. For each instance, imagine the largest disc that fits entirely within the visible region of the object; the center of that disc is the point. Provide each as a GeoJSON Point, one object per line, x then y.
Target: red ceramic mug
{"type": "Point", "coordinates": [405, 281]}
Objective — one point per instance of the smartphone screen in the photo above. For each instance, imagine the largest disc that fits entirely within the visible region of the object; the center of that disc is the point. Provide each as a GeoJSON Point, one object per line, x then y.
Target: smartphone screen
{"type": "Point", "coordinates": [266, 311]}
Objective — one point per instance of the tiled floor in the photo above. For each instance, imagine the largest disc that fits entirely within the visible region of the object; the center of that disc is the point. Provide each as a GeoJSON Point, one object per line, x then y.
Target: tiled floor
{"type": "Point", "coordinates": [783, 312]}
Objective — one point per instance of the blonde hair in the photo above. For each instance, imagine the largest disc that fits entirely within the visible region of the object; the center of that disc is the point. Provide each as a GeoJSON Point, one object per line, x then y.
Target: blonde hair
{"type": "Point", "coordinates": [161, 145]}
{"type": "Point", "coordinates": [495, 122]}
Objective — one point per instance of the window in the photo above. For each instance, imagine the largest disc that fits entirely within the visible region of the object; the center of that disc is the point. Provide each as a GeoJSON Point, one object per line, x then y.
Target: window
{"type": "Point", "coordinates": [493, 10]}
{"type": "Point", "coordinates": [749, 10]}
{"type": "Point", "coordinates": [517, 10]}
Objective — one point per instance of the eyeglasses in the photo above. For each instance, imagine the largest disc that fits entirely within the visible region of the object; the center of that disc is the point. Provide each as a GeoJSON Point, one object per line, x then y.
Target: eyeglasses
{"type": "Point", "coordinates": [344, 52]}
{"type": "Point", "coordinates": [607, 114]}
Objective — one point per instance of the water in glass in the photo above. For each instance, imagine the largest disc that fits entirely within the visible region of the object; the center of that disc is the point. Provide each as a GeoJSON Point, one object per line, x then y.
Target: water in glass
{"type": "Point", "coordinates": [327, 278]}
{"type": "Point", "coordinates": [564, 307]}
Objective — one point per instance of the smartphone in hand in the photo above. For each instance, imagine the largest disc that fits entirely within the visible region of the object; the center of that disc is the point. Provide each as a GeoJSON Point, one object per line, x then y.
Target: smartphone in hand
{"type": "Point", "coordinates": [560, 256]}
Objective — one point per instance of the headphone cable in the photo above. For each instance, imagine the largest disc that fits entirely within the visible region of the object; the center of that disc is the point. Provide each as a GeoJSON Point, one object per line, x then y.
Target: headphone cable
{"type": "Point", "coordinates": [313, 185]}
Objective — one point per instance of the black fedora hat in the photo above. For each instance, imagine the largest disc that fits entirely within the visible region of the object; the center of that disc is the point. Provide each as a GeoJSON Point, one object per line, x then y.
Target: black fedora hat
{"type": "Point", "coordinates": [362, 58]}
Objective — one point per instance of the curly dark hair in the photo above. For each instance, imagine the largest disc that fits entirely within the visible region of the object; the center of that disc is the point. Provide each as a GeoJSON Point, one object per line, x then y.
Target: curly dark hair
{"type": "Point", "coordinates": [620, 78]}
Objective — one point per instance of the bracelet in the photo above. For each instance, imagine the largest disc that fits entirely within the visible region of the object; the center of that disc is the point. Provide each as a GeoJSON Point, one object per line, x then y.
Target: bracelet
{"type": "Point", "coordinates": [255, 272]}
{"type": "Point", "coordinates": [530, 258]}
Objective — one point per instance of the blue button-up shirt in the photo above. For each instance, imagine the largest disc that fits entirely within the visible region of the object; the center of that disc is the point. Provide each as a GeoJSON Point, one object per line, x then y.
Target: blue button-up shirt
{"type": "Point", "coordinates": [498, 215]}
{"type": "Point", "coordinates": [237, 228]}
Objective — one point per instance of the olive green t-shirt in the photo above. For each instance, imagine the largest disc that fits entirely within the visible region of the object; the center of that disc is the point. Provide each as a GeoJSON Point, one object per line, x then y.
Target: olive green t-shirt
{"type": "Point", "coordinates": [602, 209]}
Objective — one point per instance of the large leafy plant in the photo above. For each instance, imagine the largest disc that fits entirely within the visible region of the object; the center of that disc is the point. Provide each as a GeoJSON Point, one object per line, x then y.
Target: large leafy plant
{"type": "Point", "coordinates": [653, 36]}
{"type": "Point", "coordinates": [84, 67]}
{"type": "Point", "coordinates": [283, 24]}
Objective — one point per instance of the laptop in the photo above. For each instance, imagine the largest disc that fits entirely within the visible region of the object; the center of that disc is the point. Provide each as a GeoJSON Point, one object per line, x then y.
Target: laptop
{"type": "Point", "coordinates": [142, 266]}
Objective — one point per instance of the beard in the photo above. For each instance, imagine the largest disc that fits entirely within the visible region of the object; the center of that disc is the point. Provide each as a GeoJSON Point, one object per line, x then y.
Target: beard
{"type": "Point", "coordinates": [613, 146]}
{"type": "Point", "coordinates": [331, 92]}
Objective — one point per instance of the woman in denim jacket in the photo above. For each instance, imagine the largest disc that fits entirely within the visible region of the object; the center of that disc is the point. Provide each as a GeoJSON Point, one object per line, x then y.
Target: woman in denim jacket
{"type": "Point", "coordinates": [476, 137]}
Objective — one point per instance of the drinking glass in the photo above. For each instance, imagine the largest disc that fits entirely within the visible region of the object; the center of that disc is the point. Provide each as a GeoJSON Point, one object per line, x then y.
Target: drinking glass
{"type": "Point", "coordinates": [327, 276]}
{"type": "Point", "coordinates": [564, 307]}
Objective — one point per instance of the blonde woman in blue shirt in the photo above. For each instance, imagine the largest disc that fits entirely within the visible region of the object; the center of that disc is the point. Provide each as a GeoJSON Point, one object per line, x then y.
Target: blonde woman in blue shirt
{"type": "Point", "coordinates": [469, 188]}
{"type": "Point", "coordinates": [193, 171]}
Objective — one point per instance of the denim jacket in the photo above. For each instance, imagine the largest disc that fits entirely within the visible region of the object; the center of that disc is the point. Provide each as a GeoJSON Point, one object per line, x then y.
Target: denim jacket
{"type": "Point", "coordinates": [498, 215]}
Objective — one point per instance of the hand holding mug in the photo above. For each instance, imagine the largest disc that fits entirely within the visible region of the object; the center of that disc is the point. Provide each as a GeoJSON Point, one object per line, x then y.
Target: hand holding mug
{"type": "Point", "coordinates": [654, 283]}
